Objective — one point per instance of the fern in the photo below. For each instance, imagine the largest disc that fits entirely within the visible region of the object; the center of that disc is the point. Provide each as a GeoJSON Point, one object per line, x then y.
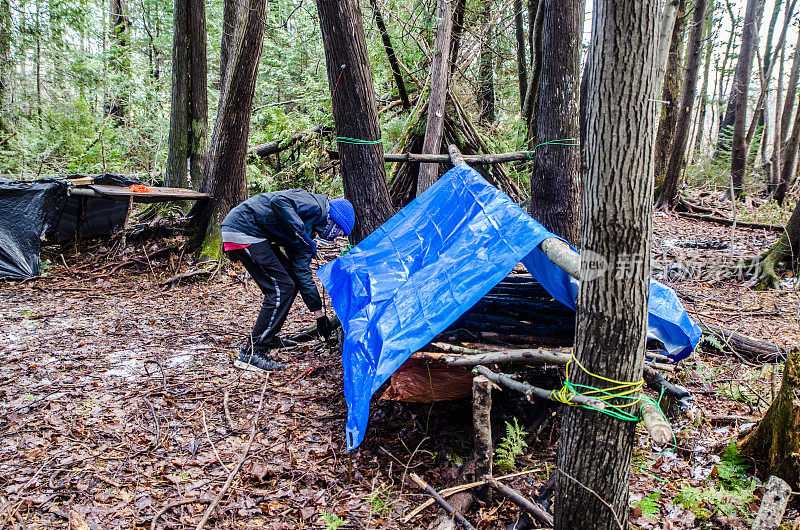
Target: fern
{"type": "Point", "coordinates": [510, 447]}
{"type": "Point", "coordinates": [649, 504]}
{"type": "Point", "coordinates": [332, 521]}
{"type": "Point", "coordinates": [732, 467]}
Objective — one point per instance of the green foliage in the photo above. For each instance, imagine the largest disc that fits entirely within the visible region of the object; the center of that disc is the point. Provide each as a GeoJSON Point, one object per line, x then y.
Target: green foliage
{"type": "Point", "coordinates": [510, 447]}
{"type": "Point", "coordinates": [649, 504]}
{"type": "Point", "coordinates": [332, 521]}
{"type": "Point", "coordinates": [379, 500]}
{"type": "Point", "coordinates": [706, 502]}
{"type": "Point", "coordinates": [733, 467]}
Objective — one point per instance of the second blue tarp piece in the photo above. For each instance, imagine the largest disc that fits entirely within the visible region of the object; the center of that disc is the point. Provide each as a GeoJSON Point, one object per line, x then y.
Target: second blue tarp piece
{"type": "Point", "coordinates": [416, 274]}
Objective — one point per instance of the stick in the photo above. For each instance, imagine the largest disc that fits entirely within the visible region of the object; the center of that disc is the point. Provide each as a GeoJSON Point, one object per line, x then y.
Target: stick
{"type": "Point", "coordinates": [458, 489]}
{"type": "Point", "coordinates": [535, 510]}
{"type": "Point", "coordinates": [242, 458]}
{"type": "Point", "coordinates": [210, 441]}
{"type": "Point", "coordinates": [456, 158]}
{"type": "Point", "coordinates": [482, 427]}
{"type": "Point", "coordinates": [171, 505]}
{"type": "Point", "coordinates": [730, 222]}
{"type": "Point", "coordinates": [184, 276]}
{"type": "Point", "coordinates": [655, 423]}
{"type": "Point", "coordinates": [773, 504]}
{"type": "Point", "coordinates": [492, 158]}
{"type": "Point", "coordinates": [443, 503]}
{"type": "Point", "coordinates": [531, 391]}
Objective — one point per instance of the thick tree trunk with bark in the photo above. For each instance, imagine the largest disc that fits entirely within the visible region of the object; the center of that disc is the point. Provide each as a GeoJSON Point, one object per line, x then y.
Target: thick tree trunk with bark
{"type": "Point", "coordinates": [485, 95]}
{"type": "Point", "coordinates": [775, 441]}
{"type": "Point", "coordinates": [225, 176]}
{"type": "Point", "coordinates": [791, 95]}
{"type": "Point", "coordinates": [198, 102]}
{"type": "Point", "coordinates": [594, 453]}
{"type": "Point", "coordinates": [178, 154]}
{"type": "Point", "coordinates": [671, 91]}
{"type": "Point", "coordinates": [787, 248]}
{"type": "Point", "coordinates": [668, 193]}
{"type": "Point", "coordinates": [671, 12]}
{"type": "Point", "coordinates": [188, 127]}
{"type": "Point", "coordinates": [390, 55]}
{"type": "Point", "coordinates": [119, 60]}
{"type": "Point", "coordinates": [739, 89]}
{"type": "Point", "coordinates": [439, 81]}
{"type": "Point", "coordinates": [5, 63]}
{"type": "Point", "coordinates": [789, 156]}
{"type": "Point", "coordinates": [709, 47]}
{"type": "Point", "coordinates": [228, 28]}
{"type": "Point", "coordinates": [555, 179]}
{"type": "Point", "coordinates": [355, 113]}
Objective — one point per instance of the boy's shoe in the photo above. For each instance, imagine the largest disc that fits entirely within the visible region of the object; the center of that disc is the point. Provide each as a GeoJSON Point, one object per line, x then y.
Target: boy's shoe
{"type": "Point", "coordinates": [256, 361]}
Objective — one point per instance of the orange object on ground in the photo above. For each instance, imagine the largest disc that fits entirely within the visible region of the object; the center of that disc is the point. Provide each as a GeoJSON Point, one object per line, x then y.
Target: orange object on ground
{"type": "Point", "coordinates": [139, 188]}
{"type": "Point", "coordinates": [421, 381]}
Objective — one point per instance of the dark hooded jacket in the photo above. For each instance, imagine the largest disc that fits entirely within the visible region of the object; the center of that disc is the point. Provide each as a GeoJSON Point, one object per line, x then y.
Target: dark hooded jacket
{"type": "Point", "coordinates": [287, 219]}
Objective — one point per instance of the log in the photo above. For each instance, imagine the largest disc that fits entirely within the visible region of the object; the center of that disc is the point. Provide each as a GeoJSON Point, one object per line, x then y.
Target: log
{"type": "Point", "coordinates": [440, 78]}
{"type": "Point", "coordinates": [729, 222]}
{"type": "Point", "coordinates": [310, 333]}
{"type": "Point", "coordinates": [748, 347]}
{"type": "Point", "coordinates": [482, 429]}
{"type": "Point", "coordinates": [517, 498]}
{"type": "Point", "coordinates": [531, 391]}
{"type": "Point", "coordinates": [456, 158]}
{"type": "Point", "coordinates": [657, 382]}
{"type": "Point", "coordinates": [276, 146]}
{"type": "Point", "coordinates": [472, 357]}
{"type": "Point", "coordinates": [773, 504]}
{"type": "Point", "coordinates": [486, 159]}
{"type": "Point", "coordinates": [562, 255]}
{"type": "Point", "coordinates": [443, 503]}
{"type": "Point", "coordinates": [655, 423]}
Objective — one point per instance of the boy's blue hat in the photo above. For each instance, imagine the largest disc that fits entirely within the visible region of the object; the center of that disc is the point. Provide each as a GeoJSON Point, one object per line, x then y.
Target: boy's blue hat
{"type": "Point", "coordinates": [343, 214]}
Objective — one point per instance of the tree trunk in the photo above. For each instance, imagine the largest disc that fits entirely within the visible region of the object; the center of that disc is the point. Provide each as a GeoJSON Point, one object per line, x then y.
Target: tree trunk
{"type": "Point", "coordinates": [791, 95]}
{"type": "Point", "coordinates": [119, 61]}
{"type": "Point", "coordinates": [459, 11]}
{"type": "Point", "coordinates": [671, 12]}
{"type": "Point", "coordinates": [178, 154]}
{"type": "Point", "coordinates": [532, 96]}
{"type": "Point", "coordinates": [776, 158]}
{"type": "Point", "coordinates": [786, 248]}
{"type": "Point", "coordinates": [776, 439]}
{"type": "Point", "coordinates": [393, 63]}
{"type": "Point", "coordinates": [228, 28]}
{"type": "Point", "coordinates": [789, 156]}
{"type": "Point", "coordinates": [554, 179]}
{"type": "Point", "coordinates": [355, 113]}
{"type": "Point", "coordinates": [701, 114]}
{"type": "Point", "coordinates": [668, 194]}
{"type": "Point", "coordinates": [522, 67]}
{"type": "Point", "coordinates": [198, 103]}
{"type": "Point", "coordinates": [739, 88]}
{"type": "Point", "coordinates": [594, 454]}
{"type": "Point", "coordinates": [485, 95]}
{"type": "Point", "coordinates": [670, 93]}
{"type": "Point", "coordinates": [6, 65]}
{"type": "Point", "coordinates": [224, 176]}
{"type": "Point", "coordinates": [440, 74]}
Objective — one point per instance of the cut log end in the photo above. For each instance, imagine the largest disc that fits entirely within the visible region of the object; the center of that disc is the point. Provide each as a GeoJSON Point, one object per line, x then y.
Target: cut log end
{"type": "Point", "coordinates": [655, 423]}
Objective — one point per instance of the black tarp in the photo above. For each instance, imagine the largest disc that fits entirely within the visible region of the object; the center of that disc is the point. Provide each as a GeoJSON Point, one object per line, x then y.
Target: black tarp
{"type": "Point", "coordinates": [91, 217]}
{"type": "Point", "coordinates": [27, 210]}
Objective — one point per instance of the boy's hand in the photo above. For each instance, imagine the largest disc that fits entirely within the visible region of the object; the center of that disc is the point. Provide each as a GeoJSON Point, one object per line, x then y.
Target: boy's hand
{"type": "Point", "coordinates": [324, 327]}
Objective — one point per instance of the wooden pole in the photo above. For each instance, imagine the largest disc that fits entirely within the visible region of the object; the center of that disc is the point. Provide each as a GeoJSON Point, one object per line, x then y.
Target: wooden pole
{"type": "Point", "coordinates": [496, 158]}
{"type": "Point", "coordinates": [482, 428]}
{"type": "Point", "coordinates": [443, 503]}
{"type": "Point", "coordinates": [517, 498]}
{"type": "Point", "coordinates": [440, 77]}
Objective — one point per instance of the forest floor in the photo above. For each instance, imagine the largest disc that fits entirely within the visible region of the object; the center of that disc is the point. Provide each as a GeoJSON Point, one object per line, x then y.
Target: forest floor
{"type": "Point", "coordinates": [118, 401]}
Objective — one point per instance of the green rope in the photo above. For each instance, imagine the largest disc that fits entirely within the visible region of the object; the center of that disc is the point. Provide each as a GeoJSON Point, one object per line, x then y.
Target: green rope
{"type": "Point", "coordinates": [356, 141]}
{"type": "Point", "coordinates": [561, 141]}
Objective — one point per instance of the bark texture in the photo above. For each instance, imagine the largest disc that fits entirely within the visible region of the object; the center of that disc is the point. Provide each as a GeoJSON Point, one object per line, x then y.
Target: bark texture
{"type": "Point", "coordinates": [668, 194]}
{"type": "Point", "coordinates": [439, 81]}
{"type": "Point", "coordinates": [671, 90]}
{"type": "Point", "coordinates": [355, 113]}
{"type": "Point", "coordinates": [224, 176]}
{"type": "Point", "coordinates": [522, 61]}
{"type": "Point", "coordinates": [739, 88]}
{"type": "Point", "coordinates": [776, 439]}
{"type": "Point", "coordinates": [485, 95]}
{"type": "Point", "coordinates": [198, 102]}
{"type": "Point", "coordinates": [594, 454]}
{"type": "Point", "coordinates": [390, 55]}
{"type": "Point", "coordinates": [555, 179]}
{"type": "Point", "coordinates": [709, 47]}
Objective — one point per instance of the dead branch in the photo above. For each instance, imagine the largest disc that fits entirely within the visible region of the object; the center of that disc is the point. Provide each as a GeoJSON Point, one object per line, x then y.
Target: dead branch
{"type": "Point", "coordinates": [517, 498]}
{"type": "Point", "coordinates": [443, 503]}
{"type": "Point", "coordinates": [773, 504]}
{"type": "Point", "coordinates": [171, 505]}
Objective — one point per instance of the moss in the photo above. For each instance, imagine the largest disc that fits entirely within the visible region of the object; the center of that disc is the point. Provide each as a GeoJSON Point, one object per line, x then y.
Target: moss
{"type": "Point", "coordinates": [211, 249]}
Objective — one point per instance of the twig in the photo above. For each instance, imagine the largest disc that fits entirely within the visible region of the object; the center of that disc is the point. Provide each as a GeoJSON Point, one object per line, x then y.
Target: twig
{"type": "Point", "coordinates": [210, 441]}
{"type": "Point", "coordinates": [443, 503]}
{"type": "Point", "coordinates": [171, 505]}
{"type": "Point", "coordinates": [242, 458]}
{"type": "Point", "coordinates": [228, 419]}
{"type": "Point", "coordinates": [184, 276]}
{"type": "Point", "coordinates": [590, 490]}
{"type": "Point", "coordinates": [535, 510]}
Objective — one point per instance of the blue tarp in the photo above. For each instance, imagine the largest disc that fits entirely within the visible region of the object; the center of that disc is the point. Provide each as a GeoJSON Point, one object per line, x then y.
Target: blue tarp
{"type": "Point", "coordinates": [426, 266]}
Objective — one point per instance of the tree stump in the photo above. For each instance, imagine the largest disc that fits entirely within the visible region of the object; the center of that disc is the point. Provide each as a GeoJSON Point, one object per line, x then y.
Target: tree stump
{"type": "Point", "coordinates": [776, 439]}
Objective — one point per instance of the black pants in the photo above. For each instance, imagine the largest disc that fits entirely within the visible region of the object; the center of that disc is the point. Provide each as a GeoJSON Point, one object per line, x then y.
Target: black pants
{"type": "Point", "coordinates": [270, 269]}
